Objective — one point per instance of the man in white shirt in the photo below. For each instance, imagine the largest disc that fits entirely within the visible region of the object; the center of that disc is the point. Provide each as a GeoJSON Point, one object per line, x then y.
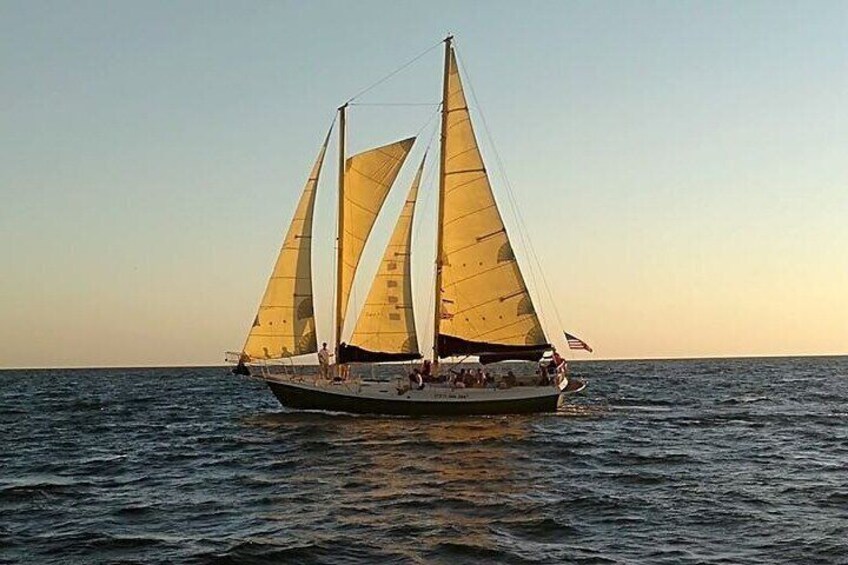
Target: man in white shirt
{"type": "Point", "coordinates": [324, 362]}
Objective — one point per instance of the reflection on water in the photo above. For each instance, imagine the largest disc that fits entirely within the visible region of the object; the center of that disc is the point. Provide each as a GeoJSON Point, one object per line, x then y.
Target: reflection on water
{"type": "Point", "coordinates": [424, 476]}
{"type": "Point", "coordinates": [438, 483]}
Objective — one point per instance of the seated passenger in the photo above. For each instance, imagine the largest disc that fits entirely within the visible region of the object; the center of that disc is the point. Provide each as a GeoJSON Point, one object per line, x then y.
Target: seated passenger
{"type": "Point", "coordinates": [510, 379]}
{"type": "Point", "coordinates": [416, 380]}
{"type": "Point", "coordinates": [457, 378]}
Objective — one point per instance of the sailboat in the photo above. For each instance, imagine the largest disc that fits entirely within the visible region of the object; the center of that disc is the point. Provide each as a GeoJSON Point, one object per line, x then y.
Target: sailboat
{"type": "Point", "coordinates": [482, 307]}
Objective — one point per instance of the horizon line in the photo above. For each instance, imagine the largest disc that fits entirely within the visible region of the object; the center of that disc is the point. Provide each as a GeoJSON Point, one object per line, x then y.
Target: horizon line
{"type": "Point", "coordinates": [603, 359]}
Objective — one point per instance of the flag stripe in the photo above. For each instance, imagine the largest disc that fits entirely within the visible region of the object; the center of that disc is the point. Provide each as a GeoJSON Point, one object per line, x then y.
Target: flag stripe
{"type": "Point", "coordinates": [575, 342]}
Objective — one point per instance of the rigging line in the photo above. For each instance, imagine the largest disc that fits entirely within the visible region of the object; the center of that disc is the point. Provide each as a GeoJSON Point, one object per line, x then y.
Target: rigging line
{"type": "Point", "coordinates": [335, 239]}
{"type": "Point", "coordinates": [388, 307]}
{"type": "Point", "coordinates": [394, 103]}
{"type": "Point", "coordinates": [535, 265]}
{"type": "Point", "coordinates": [428, 190]}
{"type": "Point", "coordinates": [315, 190]}
{"type": "Point", "coordinates": [432, 133]}
{"type": "Point", "coordinates": [513, 204]}
{"type": "Point", "coordinates": [510, 197]}
{"type": "Point", "coordinates": [425, 193]}
{"type": "Point", "coordinates": [460, 362]}
{"type": "Point", "coordinates": [393, 73]}
{"type": "Point", "coordinates": [427, 178]}
{"type": "Point", "coordinates": [418, 205]}
{"type": "Point", "coordinates": [422, 205]}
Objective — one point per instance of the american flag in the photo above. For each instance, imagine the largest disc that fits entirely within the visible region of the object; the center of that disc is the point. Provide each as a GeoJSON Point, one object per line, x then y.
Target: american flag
{"type": "Point", "coordinates": [576, 343]}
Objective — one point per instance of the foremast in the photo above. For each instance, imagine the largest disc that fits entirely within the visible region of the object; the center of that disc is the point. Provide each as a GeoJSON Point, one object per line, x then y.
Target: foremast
{"type": "Point", "coordinates": [365, 180]}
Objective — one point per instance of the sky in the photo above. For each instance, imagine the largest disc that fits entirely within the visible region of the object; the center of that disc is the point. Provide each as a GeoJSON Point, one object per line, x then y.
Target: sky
{"type": "Point", "coordinates": [680, 168]}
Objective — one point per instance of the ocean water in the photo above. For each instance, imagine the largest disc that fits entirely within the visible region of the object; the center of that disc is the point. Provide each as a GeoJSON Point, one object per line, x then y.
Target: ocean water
{"type": "Point", "coordinates": [702, 461]}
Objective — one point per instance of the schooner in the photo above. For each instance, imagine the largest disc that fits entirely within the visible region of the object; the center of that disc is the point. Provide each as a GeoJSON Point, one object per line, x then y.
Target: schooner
{"type": "Point", "coordinates": [482, 306]}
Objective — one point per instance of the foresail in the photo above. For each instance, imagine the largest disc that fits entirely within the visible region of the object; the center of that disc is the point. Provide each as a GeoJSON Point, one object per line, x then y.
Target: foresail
{"type": "Point", "coordinates": [485, 305]}
{"type": "Point", "coordinates": [385, 329]}
{"type": "Point", "coordinates": [285, 323]}
{"type": "Point", "coordinates": [368, 178]}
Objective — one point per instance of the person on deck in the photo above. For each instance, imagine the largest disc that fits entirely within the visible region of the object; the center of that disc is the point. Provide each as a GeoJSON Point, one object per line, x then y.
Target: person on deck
{"type": "Point", "coordinates": [342, 369]}
{"type": "Point", "coordinates": [458, 380]}
{"type": "Point", "coordinates": [544, 378]}
{"type": "Point", "coordinates": [416, 380]}
{"type": "Point", "coordinates": [324, 362]}
{"type": "Point", "coordinates": [557, 359]}
{"type": "Point", "coordinates": [426, 375]}
{"type": "Point", "coordinates": [560, 367]}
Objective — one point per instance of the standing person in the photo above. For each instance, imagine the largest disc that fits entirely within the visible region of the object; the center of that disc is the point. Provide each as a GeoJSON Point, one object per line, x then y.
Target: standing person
{"type": "Point", "coordinates": [557, 359]}
{"type": "Point", "coordinates": [324, 362]}
{"type": "Point", "coordinates": [342, 369]}
{"type": "Point", "coordinates": [561, 367]}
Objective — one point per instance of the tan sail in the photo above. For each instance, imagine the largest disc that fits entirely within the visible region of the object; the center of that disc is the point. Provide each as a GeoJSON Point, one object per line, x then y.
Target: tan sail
{"type": "Point", "coordinates": [368, 178]}
{"type": "Point", "coordinates": [484, 299]}
{"type": "Point", "coordinates": [385, 329]}
{"type": "Point", "coordinates": [285, 323]}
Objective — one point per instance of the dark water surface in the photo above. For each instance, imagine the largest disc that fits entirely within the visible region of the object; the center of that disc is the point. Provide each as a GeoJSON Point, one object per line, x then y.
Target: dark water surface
{"type": "Point", "coordinates": [710, 461]}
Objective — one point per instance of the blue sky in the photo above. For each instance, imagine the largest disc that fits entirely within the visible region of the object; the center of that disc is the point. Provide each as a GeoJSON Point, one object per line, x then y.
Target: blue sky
{"type": "Point", "coordinates": [680, 166]}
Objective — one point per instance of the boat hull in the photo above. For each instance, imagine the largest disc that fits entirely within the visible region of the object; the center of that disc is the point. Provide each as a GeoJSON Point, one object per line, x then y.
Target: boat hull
{"type": "Point", "coordinates": [294, 395]}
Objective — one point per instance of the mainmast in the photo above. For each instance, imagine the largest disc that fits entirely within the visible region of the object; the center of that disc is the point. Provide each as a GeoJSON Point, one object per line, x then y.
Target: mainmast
{"type": "Point", "coordinates": [340, 240]}
{"type": "Point", "coordinates": [437, 317]}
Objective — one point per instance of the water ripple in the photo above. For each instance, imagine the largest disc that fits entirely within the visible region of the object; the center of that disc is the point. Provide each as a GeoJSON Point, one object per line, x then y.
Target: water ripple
{"type": "Point", "coordinates": [701, 461]}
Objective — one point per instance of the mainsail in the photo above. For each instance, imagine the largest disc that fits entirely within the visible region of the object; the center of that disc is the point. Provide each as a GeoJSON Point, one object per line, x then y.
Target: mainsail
{"type": "Point", "coordinates": [285, 323]}
{"type": "Point", "coordinates": [367, 179]}
{"type": "Point", "coordinates": [385, 329]}
{"type": "Point", "coordinates": [484, 305]}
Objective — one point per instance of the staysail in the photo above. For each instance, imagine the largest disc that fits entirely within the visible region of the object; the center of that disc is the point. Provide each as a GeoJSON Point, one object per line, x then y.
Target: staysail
{"type": "Point", "coordinates": [285, 323]}
{"type": "Point", "coordinates": [485, 307]}
{"type": "Point", "coordinates": [367, 179]}
{"type": "Point", "coordinates": [385, 329]}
